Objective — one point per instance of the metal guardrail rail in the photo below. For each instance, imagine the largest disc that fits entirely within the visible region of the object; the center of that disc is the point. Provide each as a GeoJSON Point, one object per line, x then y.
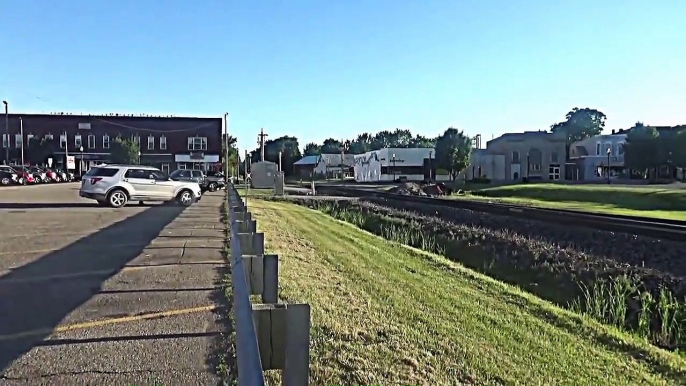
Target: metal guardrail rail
{"type": "Point", "coordinates": [670, 229]}
{"type": "Point", "coordinates": [269, 335]}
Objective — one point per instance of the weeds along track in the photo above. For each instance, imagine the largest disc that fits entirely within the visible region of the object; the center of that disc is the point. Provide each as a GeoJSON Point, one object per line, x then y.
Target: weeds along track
{"type": "Point", "coordinates": [629, 281]}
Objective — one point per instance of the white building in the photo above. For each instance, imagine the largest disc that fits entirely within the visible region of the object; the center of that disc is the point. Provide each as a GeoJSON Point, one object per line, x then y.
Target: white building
{"type": "Point", "coordinates": [390, 164]}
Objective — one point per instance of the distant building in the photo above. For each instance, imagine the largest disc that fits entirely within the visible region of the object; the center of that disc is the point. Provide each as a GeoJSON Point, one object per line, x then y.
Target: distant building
{"type": "Point", "coordinates": [589, 159]}
{"type": "Point", "coordinates": [323, 165]}
{"type": "Point", "coordinates": [165, 142]}
{"type": "Point", "coordinates": [412, 164]}
{"type": "Point", "coordinates": [535, 155]}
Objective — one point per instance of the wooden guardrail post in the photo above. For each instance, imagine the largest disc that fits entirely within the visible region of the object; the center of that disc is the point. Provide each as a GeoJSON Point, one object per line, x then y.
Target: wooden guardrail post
{"type": "Point", "coordinates": [282, 330]}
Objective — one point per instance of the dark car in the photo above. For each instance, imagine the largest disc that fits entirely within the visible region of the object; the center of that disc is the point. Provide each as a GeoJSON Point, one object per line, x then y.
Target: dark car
{"type": "Point", "coordinates": [8, 178]}
{"type": "Point", "coordinates": [215, 180]}
{"type": "Point", "coordinates": [193, 175]}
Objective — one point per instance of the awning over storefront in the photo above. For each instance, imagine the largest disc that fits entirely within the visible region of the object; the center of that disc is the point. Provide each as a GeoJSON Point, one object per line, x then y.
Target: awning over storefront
{"type": "Point", "coordinates": [206, 158]}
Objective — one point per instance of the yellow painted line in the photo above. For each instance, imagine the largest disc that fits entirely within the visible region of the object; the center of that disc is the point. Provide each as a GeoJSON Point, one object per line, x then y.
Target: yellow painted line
{"type": "Point", "coordinates": [94, 273]}
{"type": "Point", "coordinates": [104, 322]}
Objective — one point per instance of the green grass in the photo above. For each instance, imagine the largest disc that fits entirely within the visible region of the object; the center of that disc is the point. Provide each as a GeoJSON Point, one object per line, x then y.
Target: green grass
{"type": "Point", "coordinates": [383, 313]}
{"type": "Point", "coordinates": [633, 201]}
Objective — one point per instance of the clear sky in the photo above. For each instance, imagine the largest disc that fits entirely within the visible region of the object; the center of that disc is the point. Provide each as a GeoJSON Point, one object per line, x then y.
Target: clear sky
{"type": "Point", "coordinates": [336, 68]}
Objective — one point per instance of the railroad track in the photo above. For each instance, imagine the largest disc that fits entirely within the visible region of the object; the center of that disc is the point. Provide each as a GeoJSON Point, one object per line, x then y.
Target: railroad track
{"type": "Point", "coordinates": [663, 229]}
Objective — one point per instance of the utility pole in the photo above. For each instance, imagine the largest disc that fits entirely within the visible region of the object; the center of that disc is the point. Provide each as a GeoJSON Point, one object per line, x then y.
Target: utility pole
{"type": "Point", "coordinates": [7, 134]}
{"type": "Point", "coordinates": [21, 132]}
{"type": "Point", "coordinates": [226, 144]}
{"type": "Point", "coordinates": [245, 172]}
{"type": "Point", "coordinates": [260, 142]}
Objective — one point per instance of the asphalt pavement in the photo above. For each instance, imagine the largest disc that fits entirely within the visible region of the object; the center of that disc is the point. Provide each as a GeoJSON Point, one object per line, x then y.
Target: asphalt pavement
{"type": "Point", "coordinates": [93, 295]}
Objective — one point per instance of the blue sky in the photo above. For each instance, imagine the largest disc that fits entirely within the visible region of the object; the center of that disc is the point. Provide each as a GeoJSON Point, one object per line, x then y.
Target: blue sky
{"type": "Point", "coordinates": [325, 68]}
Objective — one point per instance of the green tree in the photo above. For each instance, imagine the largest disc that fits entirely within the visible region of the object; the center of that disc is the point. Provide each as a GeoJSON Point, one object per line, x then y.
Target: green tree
{"type": "Point", "coordinates": [680, 152]}
{"type": "Point", "coordinates": [361, 144]}
{"type": "Point", "coordinates": [641, 149]}
{"type": "Point", "coordinates": [289, 148]}
{"type": "Point", "coordinates": [580, 124]}
{"type": "Point", "coordinates": [234, 157]}
{"type": "Point", "coordinates": [124, 151]}
{"type": "Point", "coordinates": [312, 149]}
{"type": "Point", "coordinates": [453, 149]}
{"type": "Point", "coordinates": [38, 150]}
{"type": "Point", "coordinates": [331, 146]}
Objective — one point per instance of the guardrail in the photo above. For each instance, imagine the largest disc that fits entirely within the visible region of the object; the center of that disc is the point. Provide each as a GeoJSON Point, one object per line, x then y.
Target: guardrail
{"type": "Point", "coordinates": [269, 335]}
{"type": "Point", "coordinates": [671, 230]}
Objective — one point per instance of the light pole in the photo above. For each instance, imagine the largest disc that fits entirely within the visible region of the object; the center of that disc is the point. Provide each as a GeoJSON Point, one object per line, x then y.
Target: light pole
{"type": "Point", "coordinates": [21, 133]}
{"type": "Point", "coordinates": [81, 161]}
{"type": "Point", "coordinates": [280, 153]}
{"type": "Point", "coordinates": [394, 167]}
{"type": "Point", "coordinates": [226, 143]}
{"type": "Point", "coordinates": [430, 170]}
{"type": "Point", "coordinates": [139, 157]}
{"type": "Point", "coordinates": [608, 165]}
{"type": "Point", "coordinates": [7, 134]}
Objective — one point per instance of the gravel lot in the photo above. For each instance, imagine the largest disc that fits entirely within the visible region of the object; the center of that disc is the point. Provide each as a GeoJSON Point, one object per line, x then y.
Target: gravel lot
{"type": "Point", "coordinates": [93, 295]}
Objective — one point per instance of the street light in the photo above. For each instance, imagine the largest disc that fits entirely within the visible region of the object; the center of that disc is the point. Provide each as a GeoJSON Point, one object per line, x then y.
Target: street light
{"type": "Point", "coordinates": [608, 164]}
{"type": "Point", "coordinates": [81, 161]}
{"type": "Point", "coordinates": [7, 134]}
{"type": "Point", "coordinates": [21, 131]}
{"type": "Point", "coordinates": [139, 157]}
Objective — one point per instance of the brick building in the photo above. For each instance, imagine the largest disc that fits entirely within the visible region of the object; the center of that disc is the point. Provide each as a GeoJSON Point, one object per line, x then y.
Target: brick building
{"type": "Point", "coordinates": [165, 142]}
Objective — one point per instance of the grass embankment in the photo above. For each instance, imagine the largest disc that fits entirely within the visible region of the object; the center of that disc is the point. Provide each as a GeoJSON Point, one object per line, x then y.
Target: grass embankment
{"type": "Point", "coordinates": [383, 313]}
{"type": "Point", "coordinates": [623, 200]}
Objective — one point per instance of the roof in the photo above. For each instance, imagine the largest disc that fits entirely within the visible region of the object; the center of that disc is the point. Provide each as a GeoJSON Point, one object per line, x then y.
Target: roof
{"type": "Point", "coordinates": [307, 160]}
{"type": "Point", "coordinates": [529, 135]}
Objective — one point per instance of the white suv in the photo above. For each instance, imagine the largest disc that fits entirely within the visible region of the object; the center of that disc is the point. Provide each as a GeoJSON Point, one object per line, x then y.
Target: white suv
{"type": "Point", "coordinates": [115, 185]}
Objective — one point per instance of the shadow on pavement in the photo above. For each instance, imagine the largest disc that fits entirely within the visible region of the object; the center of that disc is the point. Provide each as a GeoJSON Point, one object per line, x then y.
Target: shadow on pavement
{"type": "Point", "coordinates": [61, 342]}
{"type": "Point", "coordinates": [43, 305]}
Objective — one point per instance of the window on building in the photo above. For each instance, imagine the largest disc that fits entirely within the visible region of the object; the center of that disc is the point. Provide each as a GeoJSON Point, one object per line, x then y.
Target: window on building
{"type": "Point", "coordinates": [554, 158]}
{"type": "Point", "coordinates": [29, 137]}
{"type": "Point", "coordinates": [554, 173]}
{"type": "Point", "coordinates": [18, 141]}
{"type": "Point", "coordinates": [137, 139]}
{"type": "Point", "coordinates": [197, 143]}
{"type": "Point", "coordinates": [77, 141]}
{"type": "Point", "coordinates": [163, 142]}
{"type": "Point", "coordinates": [48, 136]}
{"type": "Point", "coordinates": [151, 142]}
{"type": "Point", "coordinates": [597, 148]}
{"type": "Point", "coordinates": [63, 141]}
{"type": "Point", "coordinates": [515, 157]}
{"type": "Point", "coordinates": [91, 141]}
{"type": "Point", "coordinates": [105, 141]}
{"type": "Point", "coordinates": [5, 140]}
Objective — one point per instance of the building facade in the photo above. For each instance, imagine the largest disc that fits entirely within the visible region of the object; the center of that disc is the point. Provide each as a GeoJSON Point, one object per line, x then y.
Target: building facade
{"type": "Point", "coordinates": [532, 155]}
{"type": "Point", "coordinates": [589, 157]}
{"type": "Point", "coordinates": [165, 142]}
{"type": "Point", "coordinates": [412, 164]}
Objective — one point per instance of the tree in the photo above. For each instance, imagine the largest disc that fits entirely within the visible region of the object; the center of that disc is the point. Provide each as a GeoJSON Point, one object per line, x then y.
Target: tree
{"type": "Point", "coordinates": [289, 148]}
{"type": "Point", "coordinates": [580, 124]}
{"type": "Point", "coordinates": [453, 149]}
{"type": "Point", "coordinates": [361, 144]}
{"type": "Point", "coordinates": [38, 150]}
{"type": "Point", "coordinates": [312, 149]}
{"type": "Point", "coordinates": [234, 157]}
{"type": "Point", "coordinates": [680, 152]}
{"type": "Point", "coordinates": [641, 149]}
{"type": "Point", "coordinates": [124, 151]}
{"type": "Point", "coordinates": [331, 146]}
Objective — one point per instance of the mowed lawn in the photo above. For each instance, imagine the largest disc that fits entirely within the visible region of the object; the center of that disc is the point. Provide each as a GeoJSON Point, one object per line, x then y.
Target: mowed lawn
{"type": "Point", "coordinates": [385, 314]}
{"type": "Point", "coordinates": [653, 202]}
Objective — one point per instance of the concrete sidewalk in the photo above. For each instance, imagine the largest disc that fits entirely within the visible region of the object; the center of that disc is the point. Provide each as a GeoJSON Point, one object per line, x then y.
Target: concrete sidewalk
{"type": "Point", "coordinates": [155, 322]}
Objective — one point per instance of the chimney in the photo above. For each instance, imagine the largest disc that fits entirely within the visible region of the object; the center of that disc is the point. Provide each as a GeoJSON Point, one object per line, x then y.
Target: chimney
{"type": "Point", "coordinates": [613, 131]}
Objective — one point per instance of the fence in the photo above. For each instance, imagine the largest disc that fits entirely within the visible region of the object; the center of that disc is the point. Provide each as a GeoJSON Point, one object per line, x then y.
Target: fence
{"type": "Point", "coordinates": [269, 335]}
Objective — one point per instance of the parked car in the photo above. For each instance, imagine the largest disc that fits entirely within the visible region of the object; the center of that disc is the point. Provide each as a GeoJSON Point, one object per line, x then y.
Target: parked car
{"type": "Point", "coordinates": [51, 175]}
{"type": "Point", "coordinates": [115, 185]}
{"type": "Point", "coordinates": [8, 178]}
{"type": "Point", "coordinates": [25, 175]}
{"type": "Point", "coordinates": [215, 180]}
{"type": "Point", "coordinates": [190, 175]}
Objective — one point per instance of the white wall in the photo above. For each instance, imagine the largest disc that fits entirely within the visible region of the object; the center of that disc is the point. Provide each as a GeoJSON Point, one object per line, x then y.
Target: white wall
{"type": "Point", "coordinates": [368, 165]}
{"type": "Point", "coordinates": [492, 166]}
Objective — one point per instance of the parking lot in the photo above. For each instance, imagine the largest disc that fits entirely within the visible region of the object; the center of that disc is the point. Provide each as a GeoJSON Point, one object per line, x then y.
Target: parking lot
{"type": "Point", "coordinates": [94, 295]}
